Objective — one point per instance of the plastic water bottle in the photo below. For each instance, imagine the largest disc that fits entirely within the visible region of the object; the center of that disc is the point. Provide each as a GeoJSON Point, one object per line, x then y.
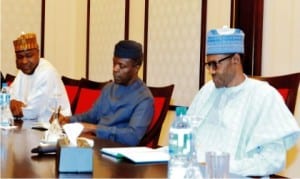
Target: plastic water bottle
{"type": "Point", "coordinates": [180, 136]}
{"type": "Point", "coordinates": [4, 103]}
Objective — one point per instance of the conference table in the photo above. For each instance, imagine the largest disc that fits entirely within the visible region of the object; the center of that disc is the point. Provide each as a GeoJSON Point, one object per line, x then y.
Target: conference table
{"type": "Point", "coordinates": [17, 160]}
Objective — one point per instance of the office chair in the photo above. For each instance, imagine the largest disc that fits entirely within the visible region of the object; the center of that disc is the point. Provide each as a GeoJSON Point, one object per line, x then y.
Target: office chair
{"type": "Point", "coordinates": [162, 97]}
{"type": "Point", "coordinates": [287, 86]}
{"type": "Point", "coordinates": [72, 87]}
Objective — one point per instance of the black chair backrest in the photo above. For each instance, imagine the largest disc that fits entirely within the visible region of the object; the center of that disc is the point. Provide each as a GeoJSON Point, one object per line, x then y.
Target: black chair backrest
{"type": "Point", "coordinates": [287, 86]}
{"type": "Point", "coordinates": [72, 88]}
{"type": "Point", "coordinates": [162, 97]}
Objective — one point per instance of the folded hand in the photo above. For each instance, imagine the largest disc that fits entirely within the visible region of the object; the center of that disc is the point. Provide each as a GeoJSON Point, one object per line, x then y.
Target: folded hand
{"type": "Point", "coordinates": [16, 108]}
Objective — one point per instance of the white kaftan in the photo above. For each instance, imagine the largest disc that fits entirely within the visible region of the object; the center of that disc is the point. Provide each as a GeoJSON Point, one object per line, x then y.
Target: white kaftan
{"type": "Point", "coordinates": [250, 121]}
{"type": "Point", "coordinates": [41, 92]}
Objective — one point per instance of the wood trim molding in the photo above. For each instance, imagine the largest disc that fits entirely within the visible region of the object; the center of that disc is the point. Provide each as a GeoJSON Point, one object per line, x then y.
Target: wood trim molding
{"type": "Point", "coordinates": [146, 19]}
{"type": "Point", "coordinates": [43, 11]}
{"type": "Point", "coordinates": [87, 51]}
{"type": "Point", "coordinates": [127, 13]}
{"type": "Point", "coordinates": [248, 16]}
{"type": "Point", "coordinates": [203, 43]}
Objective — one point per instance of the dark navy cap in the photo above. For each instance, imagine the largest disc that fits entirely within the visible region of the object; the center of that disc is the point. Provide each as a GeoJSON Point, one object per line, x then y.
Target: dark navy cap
{"type": "Point", "coordinates": [128, 49]}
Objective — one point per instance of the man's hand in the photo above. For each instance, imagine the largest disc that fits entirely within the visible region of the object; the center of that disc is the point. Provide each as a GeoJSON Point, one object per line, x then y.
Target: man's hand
{"type": "Point", "coordinates": [61, 119]}
{"type": "Point", "coordinates": [16, 108]}
{"type": "Point", "coordinates": [89, 128]}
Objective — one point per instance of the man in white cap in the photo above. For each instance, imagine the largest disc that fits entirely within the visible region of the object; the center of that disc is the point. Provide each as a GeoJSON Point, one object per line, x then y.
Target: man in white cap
{"type": "Point", "coordinates": [245, 117]}
{"type": "Point", "coordinates": [37, 89]}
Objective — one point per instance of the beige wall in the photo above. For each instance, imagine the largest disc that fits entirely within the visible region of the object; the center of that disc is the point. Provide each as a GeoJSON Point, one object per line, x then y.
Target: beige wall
{"type": "Point", "coordinates": [24, 17]}
{"type": "Point", "coordinates": [65, 34]}
{"type": "Point", "coordinates": [65, 44]}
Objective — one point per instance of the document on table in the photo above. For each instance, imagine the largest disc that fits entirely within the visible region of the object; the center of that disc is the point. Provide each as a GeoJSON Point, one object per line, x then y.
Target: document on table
{"type": "Point", "coordinates": [138, 154]}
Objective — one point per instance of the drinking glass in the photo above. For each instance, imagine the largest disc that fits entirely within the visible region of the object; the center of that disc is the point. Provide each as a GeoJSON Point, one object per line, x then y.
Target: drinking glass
{"type": "Point", "coordinates": [54, 102]}
{"type": "Point", "coordinates": [54, 107]}
{"type": "Point", "coordinates": [194, 122]}
{"type": "Point", "coordinates": [217, 164]}
{"type": "Point", "coordinates": [193, 170]}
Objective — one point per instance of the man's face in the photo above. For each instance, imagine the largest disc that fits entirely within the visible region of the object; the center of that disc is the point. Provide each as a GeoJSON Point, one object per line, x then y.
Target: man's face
{"type": "Point", "coordinates": [124, 70]}
{"type": "Point", "coordinates": [221, 69]}
{"type": "Point", "coordinates": [27, 60]}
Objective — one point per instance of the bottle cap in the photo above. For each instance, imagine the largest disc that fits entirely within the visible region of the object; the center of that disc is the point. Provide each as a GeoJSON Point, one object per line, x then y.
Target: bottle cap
{"type": "Point", "coordinates": [180, 111]}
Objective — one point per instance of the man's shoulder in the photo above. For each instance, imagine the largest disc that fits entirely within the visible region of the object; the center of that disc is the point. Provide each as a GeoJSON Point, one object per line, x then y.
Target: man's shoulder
{"type": "Point", "coordinates": [208, 86]}
{"type": "Point", "coordinates": [261, 89]}
{"type": "Point", "coordinates": [46, 69]}
{"type": "Point", "coordinates": [43, 63]}
{"type": "Point", "coordinates": [262, 86]}
{"type": "Point", "coordinates": [143, 89]}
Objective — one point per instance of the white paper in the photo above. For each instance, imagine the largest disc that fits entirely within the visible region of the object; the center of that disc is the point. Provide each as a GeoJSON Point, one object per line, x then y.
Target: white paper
{"type": "Point", "coordinates": [138, 154]}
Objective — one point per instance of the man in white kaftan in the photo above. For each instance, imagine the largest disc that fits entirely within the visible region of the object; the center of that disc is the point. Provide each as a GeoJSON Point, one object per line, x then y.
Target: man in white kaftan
{"type": "Point", "coordinates": [242, 116]}
{"type": "Point", "coordinates": [37, 89]}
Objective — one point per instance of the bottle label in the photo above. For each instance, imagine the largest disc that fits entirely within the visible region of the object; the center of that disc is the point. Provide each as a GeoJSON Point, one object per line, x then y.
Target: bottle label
{"type": "Point", "coordinates": [5, 114]}
{"type": "Point", "coordinates": [6, 98]}
{"type": "Point", "coordinates": [180, 141]}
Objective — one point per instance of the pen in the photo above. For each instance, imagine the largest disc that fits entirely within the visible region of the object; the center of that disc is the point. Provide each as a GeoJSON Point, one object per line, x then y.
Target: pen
{"type": "Point", "coordinates": [58, 111]}
{"type": "Point", "coordinates": [59, 108]}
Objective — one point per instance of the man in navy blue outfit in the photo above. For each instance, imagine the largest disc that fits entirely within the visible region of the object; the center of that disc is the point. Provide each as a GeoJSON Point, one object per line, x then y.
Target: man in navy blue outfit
{"type": "Point", "coordinates": [125, 108]}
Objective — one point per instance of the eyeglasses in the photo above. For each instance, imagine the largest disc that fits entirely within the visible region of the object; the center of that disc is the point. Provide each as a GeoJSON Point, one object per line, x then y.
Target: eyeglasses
{"type": "Point", "coordinates": [214, 64]}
